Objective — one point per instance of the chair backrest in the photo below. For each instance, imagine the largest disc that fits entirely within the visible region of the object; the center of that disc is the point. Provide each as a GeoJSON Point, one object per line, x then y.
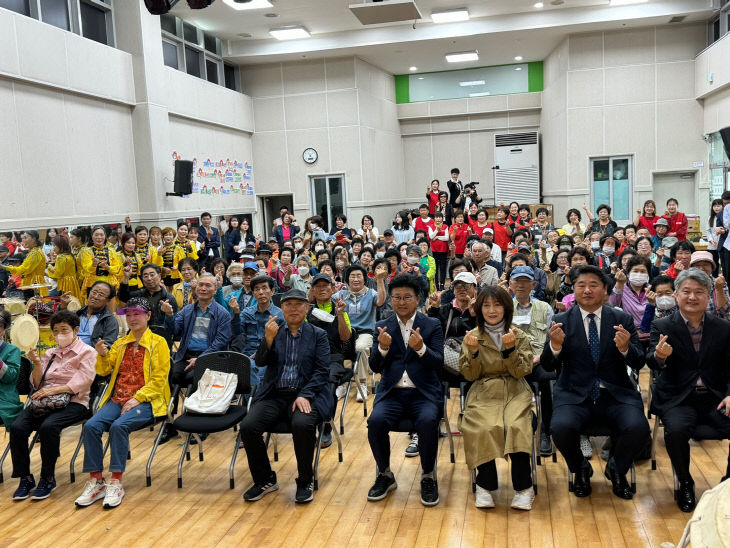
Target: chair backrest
{"type": "Point", "coordinates": [98, 387]}
{"type": "Point", "coordinates": [23, 383]}
{"type": "Point", "coordinates": [225, 362]}
{"type": "Point", "coordinates": [276, 299]}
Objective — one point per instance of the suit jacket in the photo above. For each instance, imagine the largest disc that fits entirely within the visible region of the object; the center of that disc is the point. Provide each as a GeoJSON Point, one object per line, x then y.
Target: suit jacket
{"type": "Point", "coordinates": [574, 364]}
{"type": "Point", "coordinates": [425, 372]}
{"type": "Point", "coordinates": [314, 367]}
{"type": "Point", "coordinates": [219, 328]}
{"type": "Point", "coordinates": [279, 234]}
{"type": "Point", "coordinates": [678, 376]}
{"type": "Point", "coordinates": [454, 193]}
{"type": "Point", "coordinates": [213, 243]}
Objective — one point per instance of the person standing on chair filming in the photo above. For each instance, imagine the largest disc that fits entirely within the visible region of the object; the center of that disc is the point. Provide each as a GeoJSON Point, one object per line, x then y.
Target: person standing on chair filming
{"type": "Point", "coordinates": [409, 354]}
{"type": "Point", "coordinates": [690, 351]}
{"type": "Point", "coordinates": [591, 346]}
{"type": "Point", "coordinates": [295, 389]}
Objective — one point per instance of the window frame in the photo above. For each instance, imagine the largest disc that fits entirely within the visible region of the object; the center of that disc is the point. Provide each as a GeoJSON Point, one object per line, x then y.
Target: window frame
{"type": "Point", "coordinates": [631, 182]}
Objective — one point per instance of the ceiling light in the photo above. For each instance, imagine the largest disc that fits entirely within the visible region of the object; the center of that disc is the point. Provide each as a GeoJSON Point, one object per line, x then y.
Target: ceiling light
{"type": "Point", "coordinates": [420, 77]}
{"type": "Point", "coordinates": [626, 2]}
{"type": "Point", "coordinates": [450, 16]}
{"type": "Point", "coordinates": [538, 5]}
{"type": "Point", "coordinates": [462, 56]}
{"type": "Point", "coordinates": [290, 33]}
{"type": "Point", "coordinates": [518, 58]}
{"type": "Point", "coordinates": [518, 68]}
{"type": "Point", "coordinates": [413, 69]}
{"type": "Point", "coordinates": [473, 83]}
{"type": "Point", "coordinates": [251, 5]}
{"type": "Point", "coordinates": [480, 94]}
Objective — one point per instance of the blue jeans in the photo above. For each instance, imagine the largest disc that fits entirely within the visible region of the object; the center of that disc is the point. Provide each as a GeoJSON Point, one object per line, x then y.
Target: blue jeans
{"type": "Point", "coordinates": [109, 418]}
{"type": "Point", "coordinates": [257, 373]}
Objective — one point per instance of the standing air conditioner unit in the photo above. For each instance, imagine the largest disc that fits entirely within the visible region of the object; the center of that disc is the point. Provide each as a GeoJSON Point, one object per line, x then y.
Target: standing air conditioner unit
{"type": "Point", "coordinates": [517, 168]}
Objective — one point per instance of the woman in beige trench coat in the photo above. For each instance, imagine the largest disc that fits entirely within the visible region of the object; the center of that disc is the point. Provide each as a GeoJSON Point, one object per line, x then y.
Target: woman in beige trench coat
{"type": "Point", "coordinates": [497, 420]}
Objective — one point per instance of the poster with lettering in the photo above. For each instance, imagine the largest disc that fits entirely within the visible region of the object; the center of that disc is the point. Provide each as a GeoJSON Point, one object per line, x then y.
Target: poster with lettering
{"type": "Point", "coordinates": [220, 177]}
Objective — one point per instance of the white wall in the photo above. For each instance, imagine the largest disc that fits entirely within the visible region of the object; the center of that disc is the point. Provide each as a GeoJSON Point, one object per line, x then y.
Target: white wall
{"type": "Point", "coordinates": [715, 95]}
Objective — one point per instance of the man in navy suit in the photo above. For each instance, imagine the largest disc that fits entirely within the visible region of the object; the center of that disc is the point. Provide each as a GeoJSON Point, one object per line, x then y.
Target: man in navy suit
{"type": "Point", "coordinates": [295, 389]}
{"type": "Point", "coordinates": [590, 347]}
{"type": "Point", "coordinates": [210, 240]}
{"type": "Point", "coordinates": [409, 355]}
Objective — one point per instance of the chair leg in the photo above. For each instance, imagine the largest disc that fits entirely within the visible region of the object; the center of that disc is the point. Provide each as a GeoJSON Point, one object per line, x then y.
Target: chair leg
{"type": "Point", "coordinates": [182, 459]}
{"type": "Point", "coordinates": [200, 446]}
{"type": "Point", "coordinates": [276, 448]}
{"type": "Point", "coordinates": [654, 433]}
{"type": "Point", "coordinates": [32, 442]}
{"type": "Point", "coordinates": [676, 483]}
{"type": "Point", "coordinates": [448, 430]}
{"type": "Point", "coordinates": [315, 468]}
{"type": "Point", "coordinates": [344, 406]}
{"type": "Point", "coordinates": [106, 446]}
{"type": "Point", "coordinates": [75, 455]}
{"type": "Point", "coordinates": [474, 481]}
{"type": "Point", "coordinates": [633, 478]}
{"type": "Point", "coordinates": [2, 460]}
{"type": "Point", "coordinates": [233, 462]}
{"type": "Point", "coordinates": [148, 468]}
{"type": "Point", "coordinates": [338, 439]}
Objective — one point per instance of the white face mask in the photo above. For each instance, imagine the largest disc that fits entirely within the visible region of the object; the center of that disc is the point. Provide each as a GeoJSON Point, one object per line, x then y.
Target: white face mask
{"type": "Point", "coordinates": [665, 302]}
{"type": "Point", "coordinates": [298, 245]}
{"type": "Point", "coordinates": [380, 254]}
{"type": "Point", "coordinates": [303, 270]}
{"type": "Point", "coordinates": [608, 250]}
{"type": "Point", "coordinates": [319, 248]}
{"type": "Point", "coordinates": [236, 281]}
{"type": "Point", "coordinates": [313, 225]}
{"type": "Point", "coordinates": [413, 260]}
{"type": "Point", "coordinates": [595, 245]}
{"type": "Point", "coordinates": [638, 278]}
{"type": "Point", "coordinates": [64, 339]}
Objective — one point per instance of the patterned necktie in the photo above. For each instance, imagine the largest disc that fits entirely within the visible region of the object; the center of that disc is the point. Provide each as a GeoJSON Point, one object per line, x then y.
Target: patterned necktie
{"type": "Point", "coordinates": [595, 347]}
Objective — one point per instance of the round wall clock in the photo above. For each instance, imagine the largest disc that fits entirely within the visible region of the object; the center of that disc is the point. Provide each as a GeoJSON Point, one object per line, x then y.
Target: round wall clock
{"type": "Point", "coordinates": [309, 155]}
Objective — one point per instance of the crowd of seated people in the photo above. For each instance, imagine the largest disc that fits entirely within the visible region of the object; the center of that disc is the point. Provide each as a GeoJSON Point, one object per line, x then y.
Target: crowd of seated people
{"type": "Point", "coordinates": [572, 313]}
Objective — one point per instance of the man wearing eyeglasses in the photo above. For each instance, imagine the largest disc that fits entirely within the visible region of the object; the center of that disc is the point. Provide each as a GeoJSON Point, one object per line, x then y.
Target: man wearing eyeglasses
{"type": "Point", "coordinates": [97, 322]}
{"type": "Point", "coordinates": [409, 354]}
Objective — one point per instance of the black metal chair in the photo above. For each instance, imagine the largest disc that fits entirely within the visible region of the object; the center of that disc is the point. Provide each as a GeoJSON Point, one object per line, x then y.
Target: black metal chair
{"type": "Point", "coordinates": [194, 424]}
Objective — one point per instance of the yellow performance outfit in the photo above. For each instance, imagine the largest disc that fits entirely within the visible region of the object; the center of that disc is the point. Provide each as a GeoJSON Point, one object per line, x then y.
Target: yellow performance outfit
{"type": "Point", "coordinates": [135, 278]}
{"type": "Point", "coordinates": [32, 270]}
{"type": "Point", "coordinates": [183, 294]}
{"type": "Point", "coordinates": [64, 272]}
{"type": "Point", "coordinates": [147, 250]}
{"type": "Point", "coordinates": [189, 249]}
{"type": "Point", "coordinates": [171, 256]}
{"type": "Point", "coordinates": [93, 274]}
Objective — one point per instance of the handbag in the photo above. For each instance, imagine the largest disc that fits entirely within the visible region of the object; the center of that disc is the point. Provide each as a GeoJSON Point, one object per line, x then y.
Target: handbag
{"type": "Point", "coordinates": [214, 394]}
{"type": "Point", "coordinates": [44, 406]}
{"type": "Point", "coordinates": [452, 350]}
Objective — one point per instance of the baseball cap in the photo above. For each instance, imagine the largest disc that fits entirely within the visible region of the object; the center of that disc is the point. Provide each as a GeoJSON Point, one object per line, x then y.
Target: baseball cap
{"type": "Point", "coordinates": [321, 276]}
{"type": "Point", "coordinates": [700, 256]}
{"type": "Point", "coordinates": [524, 246]}
{"type": "Point", "coordinates": [139, 304]}
{"type": "Point", "coordinates": [465, 277]}
{"type": "Point", "coordinates": [295, 294]}
{"type": "Point", "coordinates": [489, 230]}
{"type": "Point", "coordinates": [273, 239]}
{"type": "Point", "coordinates": [388, 232]}
{"type": "Point", "coordinates": [662, 221]}
{"type": "Point", "coordinates": [669, 242]}
{"type": "Point", "coordinates": [264, 248]}
{"type": "Point", "coordinates": [250, 265]}
{"type": "Point", "coordinates": [522, 272]}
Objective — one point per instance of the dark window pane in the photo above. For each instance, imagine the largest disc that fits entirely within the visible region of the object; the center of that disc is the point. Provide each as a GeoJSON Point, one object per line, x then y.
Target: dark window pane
{"type": "Point", "coordinates": [55, 12]}
{"type": "Point", "coordinates": [211, 43]}
{"type": "Point", "coordinates": [167, 22]}
{"type": "Point", "coordinates": [169, 53]}
{"type": "Point", "coordinates": [190, 33]}
{"type": "Point", "coordinates": [93, 23]}
{"type": "Point", "coordinates": [715, 30]}
{"type": "Point", "coordinates": [230, 75]}
{"type": "Point", "coordinates": [211, 69]}
{"type": "Point", "coordinates": [18, 6]}
{"type": "Point", "coordinates": [192, 62]}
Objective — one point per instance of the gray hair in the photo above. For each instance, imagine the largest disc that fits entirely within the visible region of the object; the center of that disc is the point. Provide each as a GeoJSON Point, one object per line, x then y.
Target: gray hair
{"type": "Point", "coordinates": [233, 266]}
{"type": "Point", "coordinates": [479, 242]}
{"type": "Point", "coordinates": [695, 274]}
{"type": "Point", "coordinates": [208, 275]}
{"type": "Point", "coordinates": [413, 248]}
{"type": "Point", "coordinates": [304, 256]}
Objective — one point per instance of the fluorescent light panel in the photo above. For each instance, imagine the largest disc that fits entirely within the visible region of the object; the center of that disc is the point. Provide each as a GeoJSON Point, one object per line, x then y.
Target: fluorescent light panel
{"type": "Point", "coordinates": [289, 33]}
{"type": "Point", "coordinates": [450, 16]}
{"type": "Point", "coordinates": [627, 2]}
{"type": "Point", "coordinates": [462, 56]}
{"type": "Point", "coordinates": [480, 94]}
{"type": "Point", "coordinates": [252, 5]}
{"type": "Point", "coordinates": [473, 83]}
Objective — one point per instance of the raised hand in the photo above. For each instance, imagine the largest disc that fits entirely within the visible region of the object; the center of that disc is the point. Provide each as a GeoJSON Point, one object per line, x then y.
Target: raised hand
{"type": "Point", "coordinates": [233, 303]}
{"type": "Point", "coordinates": [472, 343]}
{"type": "Point", "coordinates": [508, 339]}
{"type": "Point", "coordinates": [434, 299]}
{"type": "Point", "coordinates": [101, 348]}
{"type": "Point", "coordinates": [341, 306]}
{"type": "Point", "coordinates": [166, 307]}
{"type": "Point", "coordinates": [384, 339]}
{"type": "Point", "coordinates": [651, 297]}
{"type": "Point", "coordinates": [557, 335]}
{"type": "Point", "coordinates": [415, 341]}
{"type": "Point", "coordinates": [663, 349]}
{"type": "Point", "coordinates": [272, 328]}
{"type": "Point", "coordinates": [719, 282]}
{"type": "Point", "coordinates": [622, 338]}
{"type": "Point", "coordinates": [65, 299]}
{"type": "Point", "coordinates": [620, 278]}
{"type": "Point", "coordinates": [33, 356]}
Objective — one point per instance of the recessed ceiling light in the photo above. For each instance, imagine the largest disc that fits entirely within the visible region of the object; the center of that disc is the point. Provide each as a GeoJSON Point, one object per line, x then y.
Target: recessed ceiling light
{"type": "Point", "coordinates": [462, 56]}
{"type": "Point", "coordinates": [518, 68]}
{"type": "Point", "coordinates": [538, 5]}
{"type": "Point", "coordinates": [472, 83]}
{"type": "Point", "coordinates": [251, 5]}
{"type": "Point", "coordinates": [450, 16]}
{"type": "Point", "coordinates": [626, 2]}
{"type": "Point", "coordinates": [290, 33]}
{"type": "Point", "coordinates": [518, 58]}
{"type": "Point", "coordinates": [413, 69]}
{"type": "Point", "coordinates": [420, 77]}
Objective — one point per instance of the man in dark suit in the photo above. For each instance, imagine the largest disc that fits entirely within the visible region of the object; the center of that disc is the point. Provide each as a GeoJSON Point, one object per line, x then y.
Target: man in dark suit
{"type": "Point", "coordinates": [295, 389]}
{"type": "Point", "coordinates": [690, 349]}
{"type": "Point", "coordinates": [210, 240]}
{"type": "Point", "coordinates": [590, 347]}
{"type": "Point", "coordinates": [456, 191]}
{"type": "Point", "coordinates": [409, 354]}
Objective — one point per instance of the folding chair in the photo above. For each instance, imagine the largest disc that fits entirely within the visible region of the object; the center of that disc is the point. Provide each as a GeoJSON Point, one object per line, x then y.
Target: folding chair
{"type": "Point", "coordinates": [194, 423]}
{"type": "Point", "coordinates": [360, 362]}
{"type": "Point", "coordinates": [22, 385]}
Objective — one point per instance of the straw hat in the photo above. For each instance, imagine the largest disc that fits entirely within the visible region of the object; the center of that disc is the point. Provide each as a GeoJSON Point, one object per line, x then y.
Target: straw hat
{"type": "Point", "coordinates": [25, 332]}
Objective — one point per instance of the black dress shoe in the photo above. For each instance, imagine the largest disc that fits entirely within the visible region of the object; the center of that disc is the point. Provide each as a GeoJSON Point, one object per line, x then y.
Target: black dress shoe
{"type": "Point", "coordinates": [168, 434]}
{"type": "Point", "coordinates": [686, 500]}
{"type": "Point", "coordinates": [582, 482]}
{"type": "Point", "coordinates": [621, 487]}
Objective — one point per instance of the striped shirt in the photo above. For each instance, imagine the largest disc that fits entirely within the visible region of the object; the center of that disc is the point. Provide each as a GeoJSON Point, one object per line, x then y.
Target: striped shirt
{"type": "Point", "coordinates": [289, 379]}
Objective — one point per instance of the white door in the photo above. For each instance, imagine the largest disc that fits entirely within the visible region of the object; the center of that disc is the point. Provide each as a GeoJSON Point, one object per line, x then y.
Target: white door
{"type": "Point", "coordinates": [681, 186]}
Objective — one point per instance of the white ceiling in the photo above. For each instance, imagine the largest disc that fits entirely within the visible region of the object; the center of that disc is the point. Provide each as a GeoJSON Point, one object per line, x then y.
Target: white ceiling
{"type": "Point", "coordinates": [499, 29]}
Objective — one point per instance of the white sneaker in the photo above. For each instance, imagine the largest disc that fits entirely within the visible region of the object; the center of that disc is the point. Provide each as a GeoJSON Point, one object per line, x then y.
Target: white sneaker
{"type": "Point", "coordinates": [523, 499]}
{"type": "Point", "coordinates": [585, 447]}
{"type": "Point", "coordinates": [363, 392]}
{"type": "Point", "coordinates": [341, 391]}
{"type": "Point", "coordinates": [484, 498]}
{"type": "Point", "coordinates": [93, 490]}
{"type": "Point", "coordinates": [114, 494]}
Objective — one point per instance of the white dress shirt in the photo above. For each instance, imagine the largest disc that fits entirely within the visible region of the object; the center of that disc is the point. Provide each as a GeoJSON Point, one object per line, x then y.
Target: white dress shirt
{"type": "Point", "coordinates": [405, 330]}
{"type": "Point", "coordinates": [586, 322]}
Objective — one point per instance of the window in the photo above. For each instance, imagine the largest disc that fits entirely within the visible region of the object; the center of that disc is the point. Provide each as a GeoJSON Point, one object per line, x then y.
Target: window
{"type": "Point", "coordinates": [91, 19]}
{"type": "Point", "coordinates": [328, 197]}
{"type": "Point", "coordinates": [719, 26]}
{"type": "Point", "coordinates": [719, 167]}
{"type": "Point", "coordinates": [611, 183]}
{"type": "Point", "coordinates": [187, 48]}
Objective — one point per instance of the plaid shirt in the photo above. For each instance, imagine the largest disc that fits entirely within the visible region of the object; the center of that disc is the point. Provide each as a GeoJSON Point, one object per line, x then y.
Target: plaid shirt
{"type": "Point", "coordinates": [712, 308]}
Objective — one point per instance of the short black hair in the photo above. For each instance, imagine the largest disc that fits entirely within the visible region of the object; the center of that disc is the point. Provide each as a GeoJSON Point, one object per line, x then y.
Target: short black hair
{"type": "Point", "coordinates": [187, 261]}
{"type": "Point", "coordinates": [455, 170]}
{"type": "Point", "coordinates": [608, 236]}
{"type": "Point", "coordinates": [638, 260]}
{"type": "Point", "coordinates": [423, 241]}
{"type": "Point", "coordinates": [405, 280]}
{"type": "Point", "coordinates": [137, 229]}
{"type": "Point", "coordinates": [112, 290]}
{"type": "Point", "coordinates": [5, 318]}
{"type": "Point", "coordinates": [354, 268]}
{"type": "Point", "coordinates": [604, 206]}
{"type": "Point", "coordinates": [686, 245]}
{"type": "Point", "coordinates": [148, 266]}
{"type": "Point", "coordinates": [662, 279]}
{"type": "Point", "coordinates": [342, 217]}
{"type": "Point", "coordinates": [570, 212]}
{"type": "Point", "coordinates": [392, 253]}
{"type": "Point", "coordinates": [456, 263]}
{"type": "Point", "coordinates": [205, 214]}
{"type": "Point", "coordinates": [262, 279]}
{"type": "Point", "coordinates": [725, 195]}
{"type": "Point", "coordinates": [673, 200]}
{"type": "Point", "coordinates": [585, 270]}
{"type": "Point", "coordinates": [580, 250]}
{"type": "Point", "coordinates": [382, 260]}
{"type": "Point", "coordinates": [541, 210]}
{"type": "Point", "coordinates": [65, 316]}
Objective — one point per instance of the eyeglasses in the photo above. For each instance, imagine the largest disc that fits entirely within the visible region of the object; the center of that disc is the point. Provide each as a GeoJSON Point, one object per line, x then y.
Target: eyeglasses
{"type": "Point", "coordinates": [100, 294]}
{"type": "Point", "coordinates": [404, 299]}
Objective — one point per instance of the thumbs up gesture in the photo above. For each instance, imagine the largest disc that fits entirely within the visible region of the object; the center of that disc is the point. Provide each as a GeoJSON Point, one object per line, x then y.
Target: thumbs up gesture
{"type": "Point", "coordinates": [415, 341]}
{"type": "Point", "coordinates": [508, 339]}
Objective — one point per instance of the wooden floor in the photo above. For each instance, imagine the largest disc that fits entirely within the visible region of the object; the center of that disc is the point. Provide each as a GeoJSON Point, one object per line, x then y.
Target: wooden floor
{"type": "Point", "coordinates": [205, 512]}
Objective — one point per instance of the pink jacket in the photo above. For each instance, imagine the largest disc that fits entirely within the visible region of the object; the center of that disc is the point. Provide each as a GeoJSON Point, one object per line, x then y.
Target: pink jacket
{"type": "Point", "coordinates": [74, 366]}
